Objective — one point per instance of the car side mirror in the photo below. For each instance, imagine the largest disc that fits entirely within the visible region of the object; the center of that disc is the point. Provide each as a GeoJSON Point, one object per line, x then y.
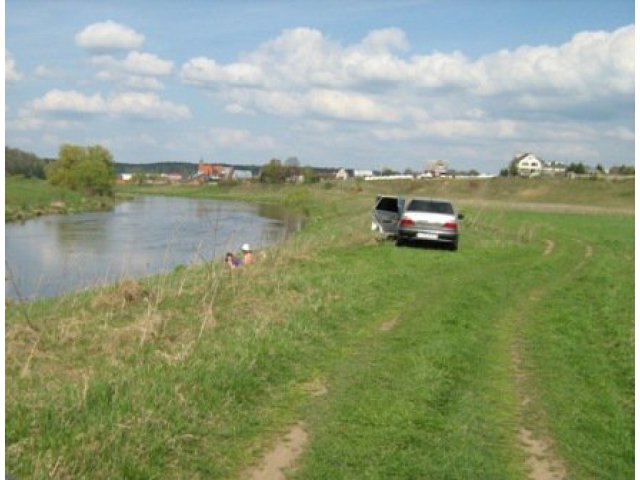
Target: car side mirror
{"type": "Point", "coordinates": [460, 216]}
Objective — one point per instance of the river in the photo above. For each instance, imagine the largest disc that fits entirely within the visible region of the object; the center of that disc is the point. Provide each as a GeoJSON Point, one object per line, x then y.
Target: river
{"type": "Point", "coordinates": [55, 254]}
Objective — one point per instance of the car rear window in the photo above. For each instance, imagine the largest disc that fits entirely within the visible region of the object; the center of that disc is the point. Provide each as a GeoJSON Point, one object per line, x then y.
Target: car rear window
{"type": "Point", "coordinates": [430, 206]}
{"type": "Point", "coordinates": [387, 204]}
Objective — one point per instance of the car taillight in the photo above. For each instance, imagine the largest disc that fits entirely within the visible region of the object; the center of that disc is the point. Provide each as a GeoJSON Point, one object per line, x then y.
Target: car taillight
{"type": "Point", "coordinates": [451, 225]}
{"type": "Point", "coordinates": [406, 222]}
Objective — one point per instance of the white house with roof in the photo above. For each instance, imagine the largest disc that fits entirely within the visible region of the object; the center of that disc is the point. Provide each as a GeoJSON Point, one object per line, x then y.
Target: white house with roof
{"type": "Point", "coordinates": [342, 174]}
{"type": "Point", "coordinates": [528, 165]}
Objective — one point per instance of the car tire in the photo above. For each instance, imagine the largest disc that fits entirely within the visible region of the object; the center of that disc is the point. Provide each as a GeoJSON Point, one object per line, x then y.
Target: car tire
{"type": "Point", "coordinates": [454, 246]}
{"type": "Point", "coordinates": [399, 242]}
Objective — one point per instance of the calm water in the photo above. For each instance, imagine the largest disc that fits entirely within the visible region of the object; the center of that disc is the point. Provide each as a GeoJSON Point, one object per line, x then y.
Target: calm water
{"type": "Point", "coordinates": [56, 254]}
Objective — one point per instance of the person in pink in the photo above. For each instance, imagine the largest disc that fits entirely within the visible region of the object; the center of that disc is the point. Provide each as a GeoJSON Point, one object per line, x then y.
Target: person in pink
{"type": "Point", "coordinates": [247, 254]}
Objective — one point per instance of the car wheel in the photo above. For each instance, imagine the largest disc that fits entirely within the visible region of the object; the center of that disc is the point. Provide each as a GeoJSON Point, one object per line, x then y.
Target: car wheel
{"type": "Point", "coordinates": [399, 241]}
{"type": "Point", "coordinates": [454, 246]}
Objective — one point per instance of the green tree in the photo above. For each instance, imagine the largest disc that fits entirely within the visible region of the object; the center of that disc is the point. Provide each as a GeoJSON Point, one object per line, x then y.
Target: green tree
{"type": "Point", "coordinates": [273, 172]}
{"type": "Point", "coordinates": [138, 178]}
{"type": "Point", "coordinates": [513, 167]}
{"type": "Point", "coordinates": [18, 162]}
{"type": "Point", "coordinates": [310, 175]}
{"type": "Point", "coordinates": [90, 169]}
{"type": "Point", "coordinates": [623, 170]}
{"type": "Point", "coordinates": [578, 168]}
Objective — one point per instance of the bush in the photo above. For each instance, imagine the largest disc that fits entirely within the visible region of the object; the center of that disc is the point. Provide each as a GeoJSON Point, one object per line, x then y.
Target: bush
{"type": "Point", "coordinates": [88, 169]}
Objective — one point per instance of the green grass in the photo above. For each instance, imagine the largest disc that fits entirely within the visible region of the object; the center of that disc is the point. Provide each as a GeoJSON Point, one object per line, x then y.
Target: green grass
{"type": "Point", "coordinates": [196, 374]}
{"type": "Point", "coordinates": [32, 197]}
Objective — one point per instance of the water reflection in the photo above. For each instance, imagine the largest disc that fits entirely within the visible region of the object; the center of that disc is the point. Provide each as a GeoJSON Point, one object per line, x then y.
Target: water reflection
{"type": "Point", "coordinates": [55, 254]}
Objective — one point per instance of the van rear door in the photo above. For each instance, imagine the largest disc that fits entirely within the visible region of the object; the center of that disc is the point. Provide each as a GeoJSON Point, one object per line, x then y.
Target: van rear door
{"type": "Point", "coordinates": [386, 214]}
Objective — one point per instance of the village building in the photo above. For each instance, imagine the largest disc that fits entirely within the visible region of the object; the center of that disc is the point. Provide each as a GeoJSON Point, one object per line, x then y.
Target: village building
{"type": "Point", "coordinates": [436, 168]}
{"type": "Point", "coordinates": [242, 174]}
{"type": "Point", "coordinates": [343, 174]}
{"type": "Point", "coordinates": [214, 172]}
{"type": "Point", "coordinates": [171, 177]}
{"type": "Point", "coordinates": [528, 165]}
{"type": "Point", "coordinates": [362, 173]}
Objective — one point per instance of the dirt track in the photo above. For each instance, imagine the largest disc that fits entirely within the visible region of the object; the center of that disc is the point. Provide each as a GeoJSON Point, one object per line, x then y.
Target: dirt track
{"type": "Point", "coordinates": [545, 207]}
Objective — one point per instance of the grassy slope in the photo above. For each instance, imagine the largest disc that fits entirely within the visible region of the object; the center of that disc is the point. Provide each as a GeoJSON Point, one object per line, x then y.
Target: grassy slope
{"type": "Point", "coordinates": [32, 197]}
{"type": "Point", "coordinates": [194, 374]}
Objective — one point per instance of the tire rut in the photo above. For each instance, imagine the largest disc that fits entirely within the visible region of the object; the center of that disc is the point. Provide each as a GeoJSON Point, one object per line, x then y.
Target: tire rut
{"type": "Point", "coordinates": [542, 460]}
{"type": "Point", "coordinates": [282, 457]}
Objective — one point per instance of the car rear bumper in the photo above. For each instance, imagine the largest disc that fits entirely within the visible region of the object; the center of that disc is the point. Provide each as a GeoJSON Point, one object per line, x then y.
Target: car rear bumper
{"type": "Point", "coordinates": [428, 235]}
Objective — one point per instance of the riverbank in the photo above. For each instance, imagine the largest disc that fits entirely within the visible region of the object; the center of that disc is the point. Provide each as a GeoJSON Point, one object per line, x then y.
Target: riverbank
{"type": "Point", "coordinates": [396, 362]}
{"type": "Point", "coordinates": [27, 198]}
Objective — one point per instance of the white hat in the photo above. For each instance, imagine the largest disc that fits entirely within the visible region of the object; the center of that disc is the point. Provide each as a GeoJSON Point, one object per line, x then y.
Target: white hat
{"type": "Point", "coordinates": [245, 248]}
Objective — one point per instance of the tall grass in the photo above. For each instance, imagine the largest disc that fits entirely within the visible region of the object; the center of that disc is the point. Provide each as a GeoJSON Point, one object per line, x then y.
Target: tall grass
{"type": "Point", "coordinates": [31, 197]}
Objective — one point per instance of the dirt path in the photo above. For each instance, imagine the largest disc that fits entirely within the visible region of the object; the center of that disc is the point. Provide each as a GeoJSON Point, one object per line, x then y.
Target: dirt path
{"type": "Point", "coordinates": [542, 461]}
{"type": "Point", "coordinates": [282, 457]}
{"type": "Point", "coordinates": [546, 207]}
{"type": "Point", "coordinates": [540, 458]}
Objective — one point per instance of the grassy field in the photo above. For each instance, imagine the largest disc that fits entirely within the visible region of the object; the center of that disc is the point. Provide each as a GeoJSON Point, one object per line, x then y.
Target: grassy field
{"type": "Point", "coordinates": [32, 197]}
{"type": "Point", "coordinates": [396, 362]}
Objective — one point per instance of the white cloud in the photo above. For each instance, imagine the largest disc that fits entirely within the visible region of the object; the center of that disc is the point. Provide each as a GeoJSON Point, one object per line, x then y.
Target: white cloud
{"type": "Point", "coordinates": [143, 83]}
{"type": "Point", "coordinates": [131, 104]}
{"type": "Point", "coordinates": [621, 133]}
{"type": "Point", "coordinates": [241, 138]}
{"type": "Point", "coordinates": [385, 40]}
{"type": "Point", "coordinates": [450, 129]}
{"type": "Point", "coordinates": [147, 105]}
{"type": "Point", "coordinates": [293, 73]}
{"type": "Point", "coordinates": [108, 36]}
{"type": "Point", "coordinates": [24, 124]}
{"type": "Point", "coordinates": [568, 98]}
{"type": "Point", "coordinates": [590, 64]}
{"type": "Point", "coordinates": [137, 70]}
{"type": "Point", "coordinates": [70, 101]}
{"type": "Point", "coordinates": [348, 106]}
{"type": "Point", "coordinates": [287, 104]}
{"type": "Point", "coordinates": [42, 71]}
{"type": "Point", "coordinates": [147, 64]}
{"type": "Point", "coordinates": [237, 109]}
{"type": "Point", "coordinates": [203, 71]}
{"type": "Point", "coordinates": [229, 136]}
{"type": "Point", "coordinates": [11, 73]}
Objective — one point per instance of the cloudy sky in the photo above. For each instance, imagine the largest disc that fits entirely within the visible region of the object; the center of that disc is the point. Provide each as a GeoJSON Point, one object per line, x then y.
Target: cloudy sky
{"type": "Point", "coordinates": [361, 84]}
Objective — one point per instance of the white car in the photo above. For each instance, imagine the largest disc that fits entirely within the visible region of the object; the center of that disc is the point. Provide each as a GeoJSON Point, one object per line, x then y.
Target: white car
{"type": "Point", "coordinates": [430, 220]}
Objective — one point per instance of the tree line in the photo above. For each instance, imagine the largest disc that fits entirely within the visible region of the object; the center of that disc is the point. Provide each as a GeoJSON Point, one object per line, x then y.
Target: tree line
{"type": "Point", "coordinates": [275, 171]}
{"type": "Point", "coordinates": [89, 170]}
{"type": "Point", "coordinates": [19, 162]}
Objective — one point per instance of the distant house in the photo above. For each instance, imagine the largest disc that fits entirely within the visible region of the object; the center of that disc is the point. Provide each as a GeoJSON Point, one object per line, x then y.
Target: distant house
{"type": "Point", "coordinates": [436, 168]}
{"type": "Point", "coordinates": [242, 174]}
{"type": "Point", "coordinates": [172, 177]}
{"type": "Point", "coordinates": [554, 168]}
{"type": "Point", "coordinates": [126, 177]}
{"type": "Point", "coordinates": [425, 175]}
{"type": "Point", "coordinates": [362, 173]}
{"type": "Point", "coordinates": [214, 172]}
{"type": "Point", "coordinates": [342, 174]}
{"type": "Point", "coordinates": [528, 165]}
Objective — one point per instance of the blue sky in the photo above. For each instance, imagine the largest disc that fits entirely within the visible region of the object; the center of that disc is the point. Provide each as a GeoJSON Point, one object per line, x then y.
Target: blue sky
{"type": "Point", "coordinates": [363, 84]}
